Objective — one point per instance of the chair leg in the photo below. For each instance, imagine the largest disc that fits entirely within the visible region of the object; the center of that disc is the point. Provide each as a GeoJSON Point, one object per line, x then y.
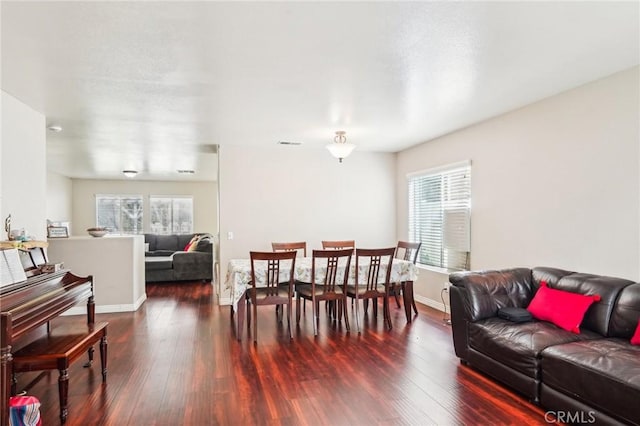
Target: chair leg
{"type": "Point", "coordinates": [298, 300]}
{"type": "Point", "coordinates": [357, 314]}
{"type": "Point", "coordinates": [248, 307]}
{"type": "Point", "coordinates": [255, 323]}
{"type": "Point", "coordinates": [315, 315]}
{"type": "Point", "coordinates": [346, 315]}
{"type": "Point", "coordinates": [387, 314]}
{"type": "Point", "coordinates": [289, 318]}
{"type": "Point", "coordinates": [396, 295]}
{"type": "Point", "coordinates": [413, 301]}
{"type": "Point", "coordinates": [374, 301]}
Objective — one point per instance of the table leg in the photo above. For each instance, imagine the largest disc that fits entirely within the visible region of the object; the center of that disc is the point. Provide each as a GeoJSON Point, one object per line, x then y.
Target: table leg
{"type": "Point", "coordinates": [240, 314]}
{"type": "Point", "coordinates": [408, 299]}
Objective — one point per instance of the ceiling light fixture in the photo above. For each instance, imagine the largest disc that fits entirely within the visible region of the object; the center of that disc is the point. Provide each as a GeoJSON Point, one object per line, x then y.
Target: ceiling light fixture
{"type": "Point", "coordinates": [340, 148]}
{"type": "Point", "coordinates": [54, 128]}
{"type": "Point", "coordinates": [186, 171]}
{"type": "Point", "coordinates": [130, 173]}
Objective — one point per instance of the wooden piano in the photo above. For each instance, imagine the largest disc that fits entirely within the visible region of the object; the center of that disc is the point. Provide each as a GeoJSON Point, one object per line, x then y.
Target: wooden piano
{"type": "Point", "coordinates": [27, 305]}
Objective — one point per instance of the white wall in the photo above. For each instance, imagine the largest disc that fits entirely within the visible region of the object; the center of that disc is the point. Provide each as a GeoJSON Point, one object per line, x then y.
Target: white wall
{"type": "Point", "coordinates": [553, 184]}
{"type": "Point", "coordinates": [23, 168]}
{"type": "Point", "coordinates": [59, 197]}
{"type": "Point", "coordinates": [290, 194]}
{"type": "Point", "coordinates": [205, 201]}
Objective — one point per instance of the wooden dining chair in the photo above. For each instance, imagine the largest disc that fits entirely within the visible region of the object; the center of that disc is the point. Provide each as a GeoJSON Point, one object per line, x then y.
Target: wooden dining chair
{"type": "Point", "coordinates": [298, 246]}
{"type": "Point", "coordinates": [369, 283]}
{"type": "Point", "coordinates": [268, 271]}
{"type": "Point", "coordinates": [335, 264]}
{"type": "Point", "coordinates": [338, 245]}
{"type": "Point", "coordinates": [409, 252]}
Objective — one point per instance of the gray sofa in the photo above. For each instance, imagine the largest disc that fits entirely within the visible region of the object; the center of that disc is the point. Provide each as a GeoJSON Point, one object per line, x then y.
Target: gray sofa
{"type": "Point", "coordinates": [166, 260]}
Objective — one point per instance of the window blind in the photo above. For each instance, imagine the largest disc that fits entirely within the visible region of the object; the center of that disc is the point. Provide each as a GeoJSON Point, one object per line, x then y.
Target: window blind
{"type": "Point", "coordinates": [440, 215]}
{"type": "Point", "coordinates": [122, 214]}
{"type": "Point", "coordinates": [171, 215]}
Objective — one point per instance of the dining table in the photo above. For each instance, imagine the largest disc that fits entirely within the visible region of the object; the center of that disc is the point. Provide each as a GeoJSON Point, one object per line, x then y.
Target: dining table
{"type": "Point", "coordinates": [238, 280]}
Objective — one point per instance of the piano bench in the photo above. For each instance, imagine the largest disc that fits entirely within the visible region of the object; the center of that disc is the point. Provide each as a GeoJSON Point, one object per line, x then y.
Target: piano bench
{"type": "Point", "coordinates": [58, 349]}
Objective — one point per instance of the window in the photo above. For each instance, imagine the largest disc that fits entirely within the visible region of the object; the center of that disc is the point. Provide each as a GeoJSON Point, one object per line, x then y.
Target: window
{"type": "Point", "coordinates": [122, 214]}
{"type": "Point", "coordinates": [439, 215]}
{"type": "Point", "coordinates": [171, 215]}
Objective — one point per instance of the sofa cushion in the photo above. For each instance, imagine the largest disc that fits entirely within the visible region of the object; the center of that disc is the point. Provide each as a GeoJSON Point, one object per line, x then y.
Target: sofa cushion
{"type": "Point", "coordinates": [598, 316]}
{"type": "Point", "coordinates": [205, 244]}
{"type": "Point", "coordinates": [626, 312]}
{"type": "Point", "coordinates": [518, 345]}
{"type": "Point", "coordinates": [562, 308]}
{"type": "Point", "coordinates": [183, 240]}
{"type": "Point", "coordinates": [151, 240]}
{"type": "Point", "coordinates": [168, 242]}
{"type": "Point", "coordinates": [603, 373]}
{"type": "Point", "coordinates": [158, 263]}
{"type": "Point", "coordinates": [159, 253]}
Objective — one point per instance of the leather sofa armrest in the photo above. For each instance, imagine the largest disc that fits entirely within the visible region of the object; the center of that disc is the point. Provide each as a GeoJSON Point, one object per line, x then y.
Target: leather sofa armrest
{"type": "Point", "coordinates": [482, 293]}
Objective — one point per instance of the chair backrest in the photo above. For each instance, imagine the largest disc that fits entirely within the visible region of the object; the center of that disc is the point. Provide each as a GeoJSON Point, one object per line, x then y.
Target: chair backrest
{"type": "Point", "coordinates": [373, 261]}
{"type": "Point", "coordinates": [336, 263]}
{"type": "Point", "coordinates": [302, 245]}
{"type": "Point", "coordinates": [266, 270]}
{"type": "Point", "coordinates": [408, 251]}
{"type": "Point", "coordinates": [337, 245]}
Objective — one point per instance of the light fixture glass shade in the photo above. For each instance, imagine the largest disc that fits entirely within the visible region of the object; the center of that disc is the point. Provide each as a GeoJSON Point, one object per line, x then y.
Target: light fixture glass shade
{"type": "Point", "coordinates": [130, 173]}
{"type": "Point", "coordinates": [340, 150]}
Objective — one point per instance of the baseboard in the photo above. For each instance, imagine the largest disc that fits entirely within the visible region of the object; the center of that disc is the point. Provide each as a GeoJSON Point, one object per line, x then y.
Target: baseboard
{"type": "Point", "coordinates": [106, 309]}
{"type": "Point", "coordinates": [431, 303]}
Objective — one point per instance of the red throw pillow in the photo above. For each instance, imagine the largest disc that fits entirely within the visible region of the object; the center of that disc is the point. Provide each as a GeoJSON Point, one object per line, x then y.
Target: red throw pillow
{"type": "Point", "coordinates": [562, 308]}
{"type": "Point", "coordinates": [635, 340]}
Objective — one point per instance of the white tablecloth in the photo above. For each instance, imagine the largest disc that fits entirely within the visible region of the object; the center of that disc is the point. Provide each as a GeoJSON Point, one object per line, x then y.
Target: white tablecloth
{"type": "Point", "coordinates": [239, 273]}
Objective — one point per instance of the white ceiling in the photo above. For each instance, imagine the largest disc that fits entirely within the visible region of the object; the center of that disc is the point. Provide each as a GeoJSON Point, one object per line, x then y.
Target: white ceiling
{"type": "Point", "coordinates": [153, 86]}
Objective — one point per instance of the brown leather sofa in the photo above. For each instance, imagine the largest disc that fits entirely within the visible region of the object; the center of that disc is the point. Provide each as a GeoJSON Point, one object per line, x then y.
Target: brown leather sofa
{"type": "Point", "coordinates": [591, 377]}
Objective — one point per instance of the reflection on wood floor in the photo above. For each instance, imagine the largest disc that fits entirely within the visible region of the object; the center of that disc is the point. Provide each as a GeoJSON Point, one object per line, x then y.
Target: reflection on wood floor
{"type": "Point", "coordinates": [176, 362]}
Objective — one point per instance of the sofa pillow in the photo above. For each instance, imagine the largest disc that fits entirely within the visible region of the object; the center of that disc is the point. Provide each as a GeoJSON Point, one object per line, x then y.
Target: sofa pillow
{"type": "Point", "coordinates": [635, 340]}
{"type": "Point", "coordinates": [193, 245]}
{"type": "Point", "coordinates": [562, 308]}
{"type": "Point", "coordinates": [204, 243]}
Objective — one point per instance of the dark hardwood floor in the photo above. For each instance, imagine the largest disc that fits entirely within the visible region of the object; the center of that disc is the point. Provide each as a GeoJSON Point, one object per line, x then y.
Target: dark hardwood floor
{"type": "Point", "coordinates": [176, 362]}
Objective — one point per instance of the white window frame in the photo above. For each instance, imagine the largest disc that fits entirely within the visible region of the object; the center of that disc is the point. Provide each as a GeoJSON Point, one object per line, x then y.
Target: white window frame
{"type": "Point", "coordinates": [120, 197]}
{"type": "Point", "coordinates": [173, 198]}
{"type": "Point", "coordinates": [444, 225]}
